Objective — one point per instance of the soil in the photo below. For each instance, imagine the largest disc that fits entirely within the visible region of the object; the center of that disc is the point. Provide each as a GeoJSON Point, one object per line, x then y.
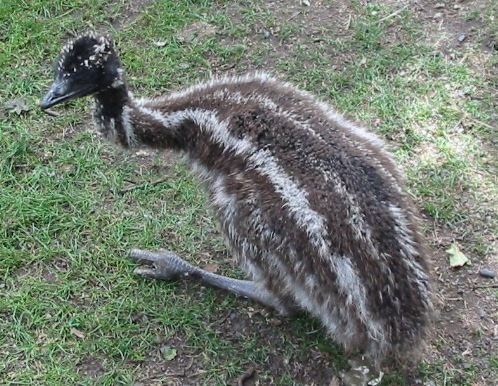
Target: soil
{"type": "Point", "coordinates": [269, 330]}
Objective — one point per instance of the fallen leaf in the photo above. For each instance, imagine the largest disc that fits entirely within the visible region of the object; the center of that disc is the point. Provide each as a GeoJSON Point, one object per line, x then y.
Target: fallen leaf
{"type": "Point", "coordinates": [213, 268]}
{"type": "Point", "coordinates": [457, 258]}
{"type": "Point", "coordinates": [78, 333]}
{"type": "Point", "coordinates": [17, 105]}
{"type": "Point", "coordinates": [168, 353]}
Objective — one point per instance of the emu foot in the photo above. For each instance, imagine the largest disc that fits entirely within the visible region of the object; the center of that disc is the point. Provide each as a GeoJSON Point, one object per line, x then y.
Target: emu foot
{"type": "Point", "coordinates": [163, 265]}
{"type": "Point", "coordinates": [166, 265]}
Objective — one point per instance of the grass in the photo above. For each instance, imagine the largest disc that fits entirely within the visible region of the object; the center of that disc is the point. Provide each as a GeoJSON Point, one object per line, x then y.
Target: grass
{"type": "Point", "coordinates": [68, 296]}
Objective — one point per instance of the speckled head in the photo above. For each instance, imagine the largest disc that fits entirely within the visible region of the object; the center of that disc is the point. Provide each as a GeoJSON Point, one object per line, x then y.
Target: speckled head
{"type": "Point", "coordinates": [86, 65]}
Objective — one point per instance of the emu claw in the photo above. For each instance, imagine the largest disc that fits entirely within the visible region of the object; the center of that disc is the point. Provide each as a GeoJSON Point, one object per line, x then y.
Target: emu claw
{"type": "Point", "coordinates": [162, 265]}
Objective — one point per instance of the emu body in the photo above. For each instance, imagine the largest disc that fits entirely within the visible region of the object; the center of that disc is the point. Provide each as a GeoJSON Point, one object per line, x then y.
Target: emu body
{"type": "Point", "coordinates": [311, 205]}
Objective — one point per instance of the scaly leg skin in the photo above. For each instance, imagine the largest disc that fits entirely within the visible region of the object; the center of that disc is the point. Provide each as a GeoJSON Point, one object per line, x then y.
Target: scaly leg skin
{"type": "Point", "coordinates": [166, 265]}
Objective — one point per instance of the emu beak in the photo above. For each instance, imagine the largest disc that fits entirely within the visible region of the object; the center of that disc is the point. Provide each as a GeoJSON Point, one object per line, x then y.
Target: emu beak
{"type": "Point", "coordinates": [61, 91]}
{"type": "Point", "coordinates": [57, 94]}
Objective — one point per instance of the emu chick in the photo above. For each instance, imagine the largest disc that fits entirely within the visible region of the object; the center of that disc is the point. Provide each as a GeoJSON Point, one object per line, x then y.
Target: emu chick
{"type": "Point", "coordinates": [311, 205]}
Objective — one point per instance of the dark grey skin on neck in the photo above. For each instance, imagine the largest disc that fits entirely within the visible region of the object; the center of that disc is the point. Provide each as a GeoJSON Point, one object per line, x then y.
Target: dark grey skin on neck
{"type": "Point", "coordinates": [311, 205]}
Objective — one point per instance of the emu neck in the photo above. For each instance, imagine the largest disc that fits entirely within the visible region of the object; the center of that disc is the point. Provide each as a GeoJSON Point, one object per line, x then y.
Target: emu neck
{"type": "Point", "coordinates": [131, 122]}
{"type": "Point", "coordinates": [112, 101]}
{"type": "Point", "coordinates": [109, 108]}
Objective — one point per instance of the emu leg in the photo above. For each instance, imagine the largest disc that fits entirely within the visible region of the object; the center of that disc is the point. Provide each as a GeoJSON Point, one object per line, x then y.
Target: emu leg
{"type": "Point", "coordinates": [166, 265]}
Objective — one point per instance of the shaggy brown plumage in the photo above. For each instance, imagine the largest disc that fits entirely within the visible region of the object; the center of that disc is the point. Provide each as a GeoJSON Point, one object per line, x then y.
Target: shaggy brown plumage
{"type": "Point", "coordinates": [311, 205]}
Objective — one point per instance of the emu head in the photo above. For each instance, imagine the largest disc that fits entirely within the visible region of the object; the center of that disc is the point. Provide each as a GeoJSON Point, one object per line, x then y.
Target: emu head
{"type": "Point", "coordinates": [86, 65]}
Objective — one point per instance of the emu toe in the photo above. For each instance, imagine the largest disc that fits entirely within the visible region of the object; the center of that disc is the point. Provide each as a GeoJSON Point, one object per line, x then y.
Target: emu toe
{"type": "Point", "coordinates": [162, 265]}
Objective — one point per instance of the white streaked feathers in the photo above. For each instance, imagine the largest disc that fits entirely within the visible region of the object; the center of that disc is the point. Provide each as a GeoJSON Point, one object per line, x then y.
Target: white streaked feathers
{"type": "Point", "coordinates": [343, 319]}
{"type": "Point", "coordinates": [360, 228]}
{"type": "Point", "coordinates": [310, 203]}
{"type": "Point", "coordinates": [171, 121]}
{"type": "Point", "coordinates": [409, 250]}
{"type": "Point", "coordinates": [295, 199]}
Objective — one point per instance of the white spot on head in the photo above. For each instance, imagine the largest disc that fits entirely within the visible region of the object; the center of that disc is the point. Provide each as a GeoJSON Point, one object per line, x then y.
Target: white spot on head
{"type": "Point", "coordinates": [102, 45]}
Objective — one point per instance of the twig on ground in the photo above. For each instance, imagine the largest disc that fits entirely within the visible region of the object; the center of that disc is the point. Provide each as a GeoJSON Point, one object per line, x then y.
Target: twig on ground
{"type": "Point", "coordinates": [52, 113]}
{"type": "Point", "coordinates": [485, 286]}
{"type": "Point", "coordinates": [140, 186]}
{"type": "Point", "coordinates": [481, 123]}
{"type": "Point", "coordinates": [294, 15]}
{"type": "Point", "coordinates": [393, 14]}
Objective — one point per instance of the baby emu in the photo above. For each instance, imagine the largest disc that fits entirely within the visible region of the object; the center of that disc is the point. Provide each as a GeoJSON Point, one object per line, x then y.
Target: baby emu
{"type": "Point", "coordinates": [311, 205]}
